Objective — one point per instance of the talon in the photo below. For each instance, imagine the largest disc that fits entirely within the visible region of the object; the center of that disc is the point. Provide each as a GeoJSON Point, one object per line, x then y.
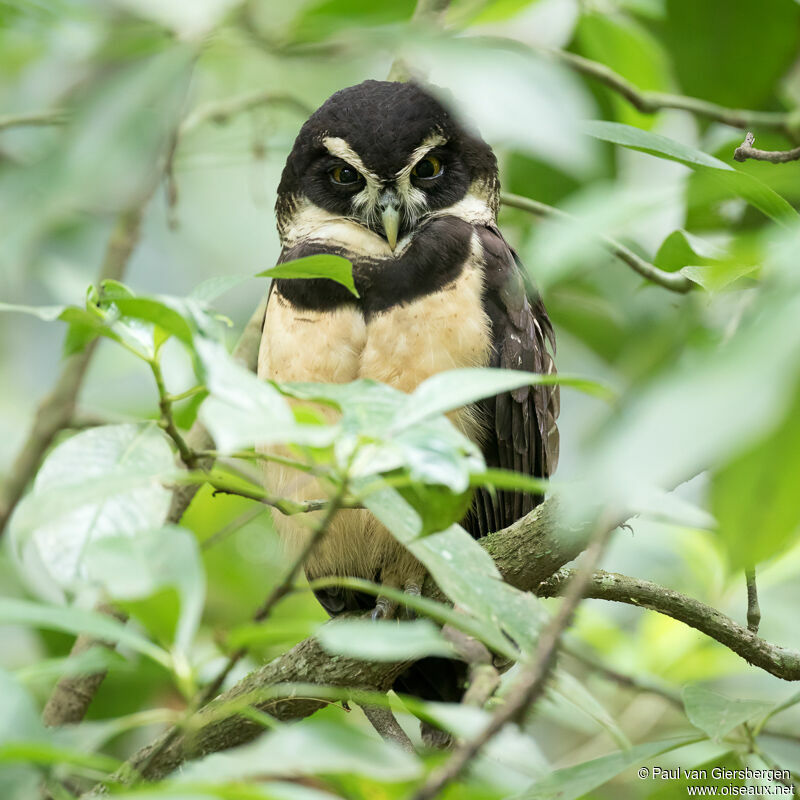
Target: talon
{"type": "Point", "coordinates": [382, 610]}
{"type": "Point", "coordinates": [411, 588]}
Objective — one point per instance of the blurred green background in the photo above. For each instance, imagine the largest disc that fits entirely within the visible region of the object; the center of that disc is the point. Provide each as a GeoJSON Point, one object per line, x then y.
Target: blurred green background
{"type": "Point", "coordinates": [240, 75]}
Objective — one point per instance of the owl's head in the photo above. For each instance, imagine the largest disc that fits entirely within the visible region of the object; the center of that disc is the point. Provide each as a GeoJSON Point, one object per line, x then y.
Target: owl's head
{"type": "Point", "coordinates": [385, 156]}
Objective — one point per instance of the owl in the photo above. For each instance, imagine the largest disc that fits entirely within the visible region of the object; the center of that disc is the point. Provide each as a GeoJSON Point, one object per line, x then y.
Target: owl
{"type": "Point", "coordinates": [386, 176]}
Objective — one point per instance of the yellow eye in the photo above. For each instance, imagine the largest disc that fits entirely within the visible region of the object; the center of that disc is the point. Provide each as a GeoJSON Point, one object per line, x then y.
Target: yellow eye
{"type": "Point", "coordinates": [345, 175]}
{"type": "Point", "coordinates": [428, 167]}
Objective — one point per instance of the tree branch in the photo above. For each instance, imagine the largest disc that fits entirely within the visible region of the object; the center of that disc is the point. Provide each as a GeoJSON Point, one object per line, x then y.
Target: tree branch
{"type": "Point", "coordinates": [387, 727]}
{"type": "Point", "coordinates": [56, 411]}
{"type": "Point", "coordinates": [778, 661]}
{"type": "Point", "coordinates": [651, 102]}
{"type": "Point", "coordinates": [68, 702]}
{"type": "Point", "coordinates": [674, 281]}
{"type": "Point", "coordinates": [536, 540]}
{"type": "Point", "coordinates": [216, 728]}
{"type": "Point", "coordinates": [281, 589]}
{"type": "Point", "coordinates": [532, 679]}
{"type": "Point", "coordinates": [33, 119]}
{"type": "Point", "coordinates": [246, 353]}
{"type": "Point", "coordinates": [527, 553]}
{"type": "Point", "coordinates": [746, 150]}
{"type": "Point", "coordinates": [221, 111]}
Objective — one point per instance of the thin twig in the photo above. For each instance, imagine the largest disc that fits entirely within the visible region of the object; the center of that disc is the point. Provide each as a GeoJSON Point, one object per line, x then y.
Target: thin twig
{"type": "Point", "coordinates": [198, 438]}
{"type": "Point", "coordinates": [674, 281]}
{"type": "Point", "coordinates": [33, 119]}
{"type": "Point", "coordinates": [484, 677]}
{"type": "Point", "coordinates": [243, 519]}
{"type": "Point", "coordinates": [623, 679]}
{"type": "Point", "coordinates": [287, 507]}
{"type": "Point", "coordinates": [189, 458]}
{"type": "Point", "coordinates": [532, 678]}
{"type": "Point", "coordinates": [56, 411]}
{"type": "Point", "coordinates": [651, 102]}
{"type": "Point", "coordinates": [526, 553]}
{"type": "Point", "coordinates": [778, 661]}
{"type": "Point", "coordinates": [283, 588]}
{"type": "Point", "coordinates": [426, 13]}
{"type": "Point", "coordinates": [753, 609]}
{"type": "Point", "coordinates": [746, 150]}
{"type": "Point", "coordinates": [221, 111]}
{"type": "Point", "coordinates": [387, 727]}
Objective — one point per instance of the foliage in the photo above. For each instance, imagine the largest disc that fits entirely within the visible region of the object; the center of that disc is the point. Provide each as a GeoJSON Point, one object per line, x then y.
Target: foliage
{"type": "Point", "coordinates": [162, 128]}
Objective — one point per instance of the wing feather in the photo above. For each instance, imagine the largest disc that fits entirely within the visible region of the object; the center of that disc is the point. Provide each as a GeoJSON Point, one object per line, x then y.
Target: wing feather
{"type": "Point", "coordinates": [522, 434]}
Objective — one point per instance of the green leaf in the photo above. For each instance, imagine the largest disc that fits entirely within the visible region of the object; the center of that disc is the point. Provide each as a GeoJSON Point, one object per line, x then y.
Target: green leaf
{"type": "Point", "coordinates": [717, 715]}
{"type": "Point", "coordinates": [737, 182]}
{"type": "Point", "coordinates": [456, 388]}
{"type": "Point", "coordinates": [45, 313]}
{"type": "Point", "coordinates": [212, 288]}
{"type": "Point", "coordinates": [464, 571]}
{"type": "Point", "coordinates": [242, 411]}
{"type": "Point", "coordinates": [570, 783]}
{"type": "Point", "coordinates": [691, 31]}
{"type": "Point", "coordinates": [713, 274]}
{"type": "Point", "coordinates": [131, 568]}
{"type": "Point", "coordinates": [77, 621]}
{"type": "Point", "coordinates": [334, 268]}
{"type": "Point", "coordinates": [104, 481]}
{"type": "Point", "coordinates": [570, 690]}
{"type": "Point", "coordinates": [676, 252]}
{"type": "Point", "coordinates": [311, 747]}
{"type": "Point", "coordinates": [757, 491]}
{"type": "Point", "coordinates": [438, 611]}
{"type": "Point", "coordinates": [432, 452]}
{"type": "Point", "coordinates": [438, 506]}
{"type": "Point", "coordinates": [85, 324]}
{"type": "Point", "coordinates": [628, 48]}
{"type": "Point", "coordinates": [511, 749]}
{"type": "Point", "coordinates": [514, 481]}
{"type": "Point", "coordinates": [148, 309]}
{"type": "Point", "coordinates": [45, 753]}
{"type": "Point", "coordinates": [19, 717]}
{"type": "Point", "coordinates": [383, 641]}
{"type": "Point", "coordinates": [685, 420]}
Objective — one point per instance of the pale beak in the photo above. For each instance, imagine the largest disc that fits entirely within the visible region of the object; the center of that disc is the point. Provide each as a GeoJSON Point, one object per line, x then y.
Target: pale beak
{"type": "Point", "coordinates": [390, 217]}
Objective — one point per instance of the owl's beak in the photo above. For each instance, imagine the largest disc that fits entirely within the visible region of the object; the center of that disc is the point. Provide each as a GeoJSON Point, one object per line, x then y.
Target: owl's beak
{"type": "Point", "coordinates": [390, 216]}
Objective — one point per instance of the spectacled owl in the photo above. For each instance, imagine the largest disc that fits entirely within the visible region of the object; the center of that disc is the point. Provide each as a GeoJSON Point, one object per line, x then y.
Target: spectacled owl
{"type": "Point", "coordinates": [386, 176]}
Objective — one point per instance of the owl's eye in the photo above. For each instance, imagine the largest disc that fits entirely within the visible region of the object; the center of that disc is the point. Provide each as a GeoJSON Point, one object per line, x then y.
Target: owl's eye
{"type": "Point", "coordinates": [428, 167]}
{"type": "Point", "coordinates": [345, 175]}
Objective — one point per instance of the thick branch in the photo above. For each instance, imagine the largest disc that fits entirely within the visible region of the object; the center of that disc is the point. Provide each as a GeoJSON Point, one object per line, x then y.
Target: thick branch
{"type": "Point", "coordinates": [746, 150]}
{"type": "Point", "coordinates": [57, 409]}
{"type": "Point", "coordinates": [536, 540]}
{"type": "Point", "coordinates": [776, 660]}
{"type": "Point", "coordinates": [652, 102]}
{"type": "Point", "coordinates": [528, 552]}
{"type": "Point", "coordinates": [306, 662]}
{"type": "Point", "coordinates": [669, 280]}
{"type": "Point", "coordinates": [532, 678]}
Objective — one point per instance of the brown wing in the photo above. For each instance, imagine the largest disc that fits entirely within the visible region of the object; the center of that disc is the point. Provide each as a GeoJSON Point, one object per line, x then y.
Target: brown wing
{"type": "Point", "coordinates": [521, 431]}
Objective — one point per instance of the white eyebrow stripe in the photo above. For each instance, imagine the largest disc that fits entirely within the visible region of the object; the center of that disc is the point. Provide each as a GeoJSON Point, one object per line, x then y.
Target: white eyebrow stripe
{"type": "Point", "coordinates": [434, 140]}
{"type": "Point", "coordinates": [338, 147]}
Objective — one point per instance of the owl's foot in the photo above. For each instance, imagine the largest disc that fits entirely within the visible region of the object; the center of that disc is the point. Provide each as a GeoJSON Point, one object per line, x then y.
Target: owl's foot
{"type": "Point", "coordinates": [384, 609]}
{"type": "Point", "coordinates": [412, 588]}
